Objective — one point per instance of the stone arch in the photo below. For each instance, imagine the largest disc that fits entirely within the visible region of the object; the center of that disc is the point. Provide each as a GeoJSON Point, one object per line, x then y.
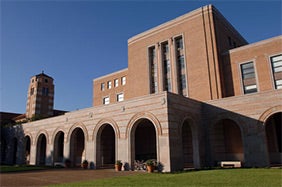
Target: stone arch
{"type": "Point", "coordinates": [273, 131]}
{"type": "Point", "coordinates": [234, 117]}
{"type": "Point", "coordinates": [41, 145]}
{"type": "Point", "coordinates": [14, 150]}
{"type": "Point", "coordinates": [77, 145]}
{"type": "Point", "coordinates": [58, 140]}
{"type": "Point", "coordinates": [4, 148]}
{"type": "Point", "coordinates": [106, 121]}
{"type": "Point", "coordinates": [189, 134]}
{"type": "Point", "coordinates": [138, 149]}
{"type": "Point", "coordinates": [146, 115]}
{"type": "Point", "coordinates": [31, 138]}
{"type": "Point", "coordinates": [226, 141]}
{"type": "Point", "coordinates": [266, 114]}
{"type": "Point", "coordinates": [42, 132]}
{"type": "Point", "coordinates": [59, 129]}
{"type": "Point", "coordinates": [27, 148]}
{"type": "Point", "coordinates": [106, 145]}
{"type": "Point", "coordinates": [78, 125]}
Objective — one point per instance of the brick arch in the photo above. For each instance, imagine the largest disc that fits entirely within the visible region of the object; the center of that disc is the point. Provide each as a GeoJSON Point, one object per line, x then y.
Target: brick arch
{"type": "Point", "coordinates": [266, 114]}
{"type": "Point", "coordinates": [103, 122]}
{"type": "Point", "coordinates": [144, 115]}
{"type": "Point", "coordinates": [46, 135]}
{"type": "Point", "coordinates": [78, 125]}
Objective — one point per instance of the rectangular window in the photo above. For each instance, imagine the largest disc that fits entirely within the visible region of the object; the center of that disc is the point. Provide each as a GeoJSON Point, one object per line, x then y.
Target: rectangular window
{"type": "Point", "coordinates": [120, 97]}
{"type": "Point", "coordinates": [166, 66]}
{"type": "Point", "coordinates": [116, 82]}
{"type": "Point", "coordinates": [123, 80]}
{"type": "Point", "coordinates": [181, 67]}
{"type": "Point", "coordinates": [31, 91]}
{"type": "Point", "coordinates": [153, 70]}
{"type": "Point", "coordinates": [106, 100]}
{"type": "Point", "coordinates": [102, 86]}
{"type": "Point", "coordinates": [45, 91]}
{"type": "Point", "coordinates": [109, 84]}
{"type": "Point", "coordinates": [248, 78]}
{"type": "Point", "coordinates": [276, 64]}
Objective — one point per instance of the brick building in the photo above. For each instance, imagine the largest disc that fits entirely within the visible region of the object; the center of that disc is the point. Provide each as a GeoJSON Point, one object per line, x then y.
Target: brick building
{"type": "Point", "coordinates": [195, 93]}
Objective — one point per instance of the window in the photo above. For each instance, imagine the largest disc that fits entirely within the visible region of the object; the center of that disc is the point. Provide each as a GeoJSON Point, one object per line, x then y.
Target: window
{"type": "Point", "coordinates": [166, 66]}
{"type": "Point", "coordinates": [120, 97]}
{"type": "Point", "coordinates": [46, 80]}
{"type": "Point", "coordinates": [109, 84]}
{"type": "Point", "coordinates": [32, 91]}
{"type": "Point", "coordinates": [106, 100]}
{"type": "Point", "coordinates": [116, 82]}
{"type": "Point", "coordinates": [181, 70]}
{"type": "Point", "coordinates": [103, 86]}
{"type": "Point", "coordinates": [276, 64]}
{"type": "Point", "coordinates": [45, 91]}
{"type": "Point", "coordinates": [179, 43]}
{"type": "Point", "coordinates": [123, 80]}
{"type": "Point", "coordinates": [153, 70]}
{"type": "Point", "coordinates": [248, 78]}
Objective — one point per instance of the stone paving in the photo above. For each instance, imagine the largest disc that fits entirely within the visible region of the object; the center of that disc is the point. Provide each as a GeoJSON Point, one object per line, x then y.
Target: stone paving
{"type": "Point", "coordinates": [57, 176]}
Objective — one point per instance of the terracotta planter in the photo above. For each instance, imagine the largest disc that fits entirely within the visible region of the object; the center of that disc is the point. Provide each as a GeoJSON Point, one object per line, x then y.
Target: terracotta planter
{"type": "Point", "coordinates": [85, 165]}
{"type": "Point", "coordinates": [150, 169]}
{"type": "Point", "coordinates": [118, 167]}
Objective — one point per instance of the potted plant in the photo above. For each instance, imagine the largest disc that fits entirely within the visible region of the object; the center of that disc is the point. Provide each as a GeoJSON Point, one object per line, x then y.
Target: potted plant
{"type": "Point", "coordinates": [67, 163]}
{"type": "Point", "coordinates": [118, 165]}
{"type": "Point", "coordinates": [151, 164]}
{"type": "Point", "coordinates": [85, 164]}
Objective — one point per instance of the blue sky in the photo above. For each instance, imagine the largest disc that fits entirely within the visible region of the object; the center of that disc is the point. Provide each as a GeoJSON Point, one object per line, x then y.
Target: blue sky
{"type": "Point", "coordinates": [77, 41]}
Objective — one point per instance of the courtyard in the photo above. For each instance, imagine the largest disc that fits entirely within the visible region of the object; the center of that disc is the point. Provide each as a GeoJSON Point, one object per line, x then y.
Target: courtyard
{"type": "Point", "coordinates": [258, 177]}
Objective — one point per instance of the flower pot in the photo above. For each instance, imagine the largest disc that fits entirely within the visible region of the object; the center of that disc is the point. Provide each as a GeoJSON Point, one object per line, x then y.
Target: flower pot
{"type": "Point", "coordinates": [85, 166]}
{"type": "Point", "coordinates": [150, 169]}
{"type": "Point", "coordinates": [118, 167]}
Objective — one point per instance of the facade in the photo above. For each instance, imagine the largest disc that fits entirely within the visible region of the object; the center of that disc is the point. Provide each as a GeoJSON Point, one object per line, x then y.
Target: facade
{"type": "Point", "coordinates": [195, 93]}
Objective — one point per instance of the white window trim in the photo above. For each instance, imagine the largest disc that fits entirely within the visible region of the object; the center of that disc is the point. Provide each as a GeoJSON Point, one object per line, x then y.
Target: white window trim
{"type": "Point", "coordinates": [241, 76]}
{"type": "Point", "coordinates": [271, 69]}
{"type": "Point", "coordinates": [121, 93]}
{"type": "Point", "coordinates": [104, 103]}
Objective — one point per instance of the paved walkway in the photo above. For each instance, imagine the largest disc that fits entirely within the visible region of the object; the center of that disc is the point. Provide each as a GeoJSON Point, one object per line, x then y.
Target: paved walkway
{"type": "Point", "coordinates": [57, 176]}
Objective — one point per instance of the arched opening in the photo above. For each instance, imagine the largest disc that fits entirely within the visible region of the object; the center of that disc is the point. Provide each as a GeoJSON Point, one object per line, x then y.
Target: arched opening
{"type": "Point", "coordinates": [59, 147]}
{"type": "Point", "coordinates": [15, 150]}
{"type": "Point", "coordinates": [77, 150]}
{"type": "Point", "coordinates": [143, 141]}
{"type": "Point", "coordinates": [27, 149]}
{"type": "Point", "coordinates": [274, 139]}
{"type": "Point", "coordinates": [187, 145]}
{"type": "Point", "coordinates": [106, 146]}
{"type": "Point", "coordinates": [41, 150]}
{"type": "Point", "coordinates": [3, 150]}
{"type": "Point", "coordinates": [226, 142]}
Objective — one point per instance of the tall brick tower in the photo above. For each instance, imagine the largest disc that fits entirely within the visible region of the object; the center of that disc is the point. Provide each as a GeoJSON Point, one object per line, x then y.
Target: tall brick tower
{"type": "Point", "coordinates": [40, 96]}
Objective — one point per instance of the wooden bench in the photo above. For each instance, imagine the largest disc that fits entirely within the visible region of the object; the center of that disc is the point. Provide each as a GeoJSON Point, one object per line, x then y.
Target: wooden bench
{"type": "Point", "coordinates": [230, 164]}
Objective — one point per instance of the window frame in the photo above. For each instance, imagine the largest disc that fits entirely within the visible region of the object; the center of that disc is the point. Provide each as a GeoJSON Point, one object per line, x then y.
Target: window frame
{"type": "Point", "coordinates": [241, 76]}
{"type": "Point", "coordinates": [272, 70]}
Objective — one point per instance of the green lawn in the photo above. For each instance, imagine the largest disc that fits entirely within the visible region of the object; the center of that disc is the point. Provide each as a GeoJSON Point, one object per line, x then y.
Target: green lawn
{"type": "Point", "coordinates": [219, 177]}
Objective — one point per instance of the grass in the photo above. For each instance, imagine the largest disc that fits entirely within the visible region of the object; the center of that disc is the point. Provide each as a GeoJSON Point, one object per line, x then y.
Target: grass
{"type": "Point", "coordinates": [217, 178]}
{"type": "Point", "coordinates": [7, 169]}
